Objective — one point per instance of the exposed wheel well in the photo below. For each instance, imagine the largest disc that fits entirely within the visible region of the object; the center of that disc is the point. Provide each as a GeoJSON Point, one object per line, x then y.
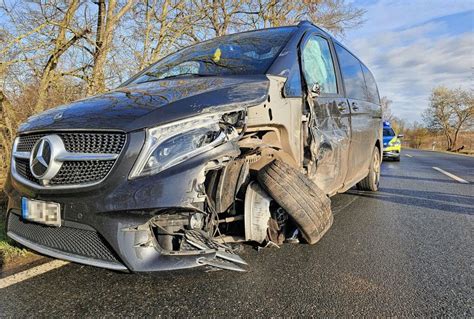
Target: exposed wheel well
{"type": "Point", "coordinates": [377, 144]}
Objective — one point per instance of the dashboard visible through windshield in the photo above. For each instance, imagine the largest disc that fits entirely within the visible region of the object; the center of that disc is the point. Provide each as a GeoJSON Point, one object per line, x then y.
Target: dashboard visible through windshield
{"type": "Point", "coordinates": [245, 53]}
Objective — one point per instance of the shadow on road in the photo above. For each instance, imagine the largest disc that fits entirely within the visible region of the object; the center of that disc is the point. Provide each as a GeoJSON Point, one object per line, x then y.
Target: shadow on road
{"type": "Point", "coordinates": [448, 203]}
{"type": "Point", "coordinates": [436, 180]}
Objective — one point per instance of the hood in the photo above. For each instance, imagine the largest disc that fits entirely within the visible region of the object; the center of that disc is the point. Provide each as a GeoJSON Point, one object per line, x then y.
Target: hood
{"type": "Point", "coordinates": [387, 139]}
{"type": "Point", "coordinates": [153, 103]}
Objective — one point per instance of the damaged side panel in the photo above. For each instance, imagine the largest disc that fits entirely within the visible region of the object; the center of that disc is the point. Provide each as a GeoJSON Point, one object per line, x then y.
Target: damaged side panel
{"type": "Point", "coordinates": [280, 119]}
{"type": "Point", "coordinates": [329, 141]}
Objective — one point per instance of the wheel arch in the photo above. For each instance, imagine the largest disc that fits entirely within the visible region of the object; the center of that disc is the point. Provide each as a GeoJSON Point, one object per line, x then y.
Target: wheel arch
{"type": "Point", "coordinates": [378, 145]}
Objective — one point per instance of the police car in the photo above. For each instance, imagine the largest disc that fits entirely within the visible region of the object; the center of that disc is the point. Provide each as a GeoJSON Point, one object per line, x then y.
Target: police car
{"type": "Point", "coordinates": [391, 143]}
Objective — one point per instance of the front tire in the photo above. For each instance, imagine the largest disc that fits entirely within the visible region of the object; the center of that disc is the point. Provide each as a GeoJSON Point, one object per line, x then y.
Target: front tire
{"type": "Point", "coordinates": [304, 201]}
{"type": "Point", "coordinates": [371, 181]}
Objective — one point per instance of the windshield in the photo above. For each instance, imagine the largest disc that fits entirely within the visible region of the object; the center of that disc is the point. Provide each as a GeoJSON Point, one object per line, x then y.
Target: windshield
{"type": "Point", "coordinates": [388, 132]}
{"type": "Point", "coordinates": [238, 54]}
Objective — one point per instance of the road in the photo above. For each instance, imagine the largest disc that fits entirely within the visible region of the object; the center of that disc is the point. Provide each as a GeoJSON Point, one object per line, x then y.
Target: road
{"type": "Point", "coordinates": [404, 251]}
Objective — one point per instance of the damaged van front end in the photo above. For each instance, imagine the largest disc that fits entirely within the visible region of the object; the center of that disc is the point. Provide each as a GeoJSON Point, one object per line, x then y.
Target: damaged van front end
{"type": "Point", "coordinates": [231, 140]}
{"type": "Point", "coordinates": [150, 176]}
{"type": "Point", "coordinates": [176, 196]}
{"type": "Point", "coordinates": [157, 207]}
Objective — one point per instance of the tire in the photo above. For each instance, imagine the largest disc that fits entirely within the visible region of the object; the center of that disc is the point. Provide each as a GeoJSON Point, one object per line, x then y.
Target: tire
{"type": "Point", "coordinates": [397, 159]}
{"type": "Point", "coordinates": [308, 206]}
{"type": "Point", "coordinates": [371, 181]}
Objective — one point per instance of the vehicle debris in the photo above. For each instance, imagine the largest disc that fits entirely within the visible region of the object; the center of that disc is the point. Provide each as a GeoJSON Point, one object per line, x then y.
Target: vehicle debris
{"type": "Point", "coordinates": [228, 259]}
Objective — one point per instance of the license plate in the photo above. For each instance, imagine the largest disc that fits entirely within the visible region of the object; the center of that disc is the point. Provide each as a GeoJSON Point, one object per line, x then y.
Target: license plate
{"type": "Point", "coordinates": [39, 211]}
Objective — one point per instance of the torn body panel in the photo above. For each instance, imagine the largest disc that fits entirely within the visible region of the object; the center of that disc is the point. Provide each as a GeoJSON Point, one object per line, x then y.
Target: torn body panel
{"type": "Point", "coordinates": [278, 120]}
{"type": "Point", "coordinates": [328, 143]}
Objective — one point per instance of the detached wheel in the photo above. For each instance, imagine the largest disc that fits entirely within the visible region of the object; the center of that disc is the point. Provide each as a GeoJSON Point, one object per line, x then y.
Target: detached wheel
{"type": "Point", "coordinates": [371, 181]}
{"type": "Point", "coordinates": [308, 206]}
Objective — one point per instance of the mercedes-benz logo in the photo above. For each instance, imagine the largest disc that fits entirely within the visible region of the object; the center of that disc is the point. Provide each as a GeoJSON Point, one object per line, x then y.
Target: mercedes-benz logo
{"type": "Point", "coordinates": [43, 159]}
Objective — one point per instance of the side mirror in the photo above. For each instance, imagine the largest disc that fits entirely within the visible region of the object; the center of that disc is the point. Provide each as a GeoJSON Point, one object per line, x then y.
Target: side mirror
{"type": "Point", "coordinates": [400, 135]}
{"type": "Point", "coordinates": [315, 89]}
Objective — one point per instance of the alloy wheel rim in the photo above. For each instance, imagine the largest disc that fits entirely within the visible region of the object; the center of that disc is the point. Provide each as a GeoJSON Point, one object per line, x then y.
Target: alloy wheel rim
{"type": "Point", "coordinates": [377, 168]}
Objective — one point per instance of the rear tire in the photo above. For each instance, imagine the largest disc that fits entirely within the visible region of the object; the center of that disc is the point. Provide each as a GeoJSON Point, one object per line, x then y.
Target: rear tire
{"type": "Point", "coordinates": [304, 201]}
{"type": "Point", "coordinates": [371, 181]}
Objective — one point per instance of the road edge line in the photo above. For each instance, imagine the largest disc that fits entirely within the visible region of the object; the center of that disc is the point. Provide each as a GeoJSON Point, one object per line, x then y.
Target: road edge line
{"type": "Point", "coordinates": [456, 178]}
{"type": "Point", "coordinates": [30, 273]}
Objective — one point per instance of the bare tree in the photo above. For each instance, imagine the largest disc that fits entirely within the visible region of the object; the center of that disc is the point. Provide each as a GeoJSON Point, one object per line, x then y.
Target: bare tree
{"type": "Point", "coordinates": [218, 16]}
{"type": "Point", "coordinates": [386, 108]}
{"type": "Point", "coordinates": [463, 112]}
{"type": "Point", "coordinates": [61, 45]}
{"type": "Point", "coordinates": [450, 112]}
{"type": "Point", "coordinates": [160, 24]}
{"type": "Point", "coordinates": [416, 135]}
{"type": "Point", "coordinates": [109, 15]}
{"type": "Point", "coordinates": [333, 15]}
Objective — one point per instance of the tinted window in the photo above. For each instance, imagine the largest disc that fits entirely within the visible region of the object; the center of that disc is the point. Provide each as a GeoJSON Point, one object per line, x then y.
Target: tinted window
{"type": "Point", "coordinates": [372, 92]}
{"type": "Point", "coordinates": [318, 66]}
{"type": "Point", "coordinates": [352, 75]}
{"type": "Point", "coordinates": [388, 132]}
{"type": "Point", "coordinates": [236, 54]}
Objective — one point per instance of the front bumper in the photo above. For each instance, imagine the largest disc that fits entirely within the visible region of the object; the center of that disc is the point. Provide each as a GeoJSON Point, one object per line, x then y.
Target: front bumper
{"type": "Point", "coordinates": [391, 154]}
{"type": "Point", "coordinates": [391, 151]}
{"type": "Point", "coordinates": [100, 224]}
{"type": "Point", "coordinates": [79, 244]}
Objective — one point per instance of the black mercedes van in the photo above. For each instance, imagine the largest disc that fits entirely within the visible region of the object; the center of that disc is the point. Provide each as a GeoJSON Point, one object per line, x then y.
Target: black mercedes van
{"type": "Point", "coordinates": [242, 138]}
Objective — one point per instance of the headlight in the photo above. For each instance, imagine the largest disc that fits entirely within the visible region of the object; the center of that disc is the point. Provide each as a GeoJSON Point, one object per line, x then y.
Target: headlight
{"type": "Point", "coordinates": [396, 143]}
{"type": "Point", "coordinates": [171, 144]}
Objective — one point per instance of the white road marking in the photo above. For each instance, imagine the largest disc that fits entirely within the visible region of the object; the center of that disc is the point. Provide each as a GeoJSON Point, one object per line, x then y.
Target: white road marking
{"type": "Point", "coordinates": [408, 155]}
{"type": "Point", "coordinates": [30, 273]}
{"type": "Point", "coordinates": [459, 179]}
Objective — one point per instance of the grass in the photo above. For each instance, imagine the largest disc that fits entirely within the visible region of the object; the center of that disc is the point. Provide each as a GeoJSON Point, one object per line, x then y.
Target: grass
{"type": "Point", "coordinates": [8, 250]}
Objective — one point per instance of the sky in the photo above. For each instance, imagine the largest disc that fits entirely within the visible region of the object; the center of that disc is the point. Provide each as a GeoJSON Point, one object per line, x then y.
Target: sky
{"type": "Point", "coordinates": [412, 46]}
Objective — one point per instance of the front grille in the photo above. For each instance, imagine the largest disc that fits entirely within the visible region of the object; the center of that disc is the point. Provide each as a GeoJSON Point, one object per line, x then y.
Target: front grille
{"type": "Point", "coordinates": [77, 142]}
{"type": "Point", "coordinates": [74, 172]}
{"type": "Point", "coordinates": [26, 143]}
{"type": "Point", "coordinates": [82, 172]}
{"type": "Point", "coordinates": [68, 240]}
{"type": "Point", "coordinates": [23, 168]}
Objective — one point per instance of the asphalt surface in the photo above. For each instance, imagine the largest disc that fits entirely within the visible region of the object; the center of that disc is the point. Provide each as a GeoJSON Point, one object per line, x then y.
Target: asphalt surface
{"type": "Point", "coordinates": [404, 251]}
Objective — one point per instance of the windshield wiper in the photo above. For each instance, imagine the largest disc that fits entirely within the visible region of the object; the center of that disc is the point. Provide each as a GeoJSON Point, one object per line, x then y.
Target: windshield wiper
{"type": "Point", "coordinates": [187, 74]}
{"type": "Point", "coordinates": [155, 78]}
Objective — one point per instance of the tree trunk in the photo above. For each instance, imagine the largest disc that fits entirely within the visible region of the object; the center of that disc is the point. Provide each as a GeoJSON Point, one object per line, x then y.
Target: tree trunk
{"type": "Point", "coordinates": [144, 60]}
{"type": "Point", "coordinates": [162, 33]}
{"type": "Point", "coordinates": [60, 46]}
{"type": "Point", "coordinates": [106, 24]}
{"type": "Point", "coordinates": [455, 139]}
{"type": "Point", "coordinates": [449, 140]}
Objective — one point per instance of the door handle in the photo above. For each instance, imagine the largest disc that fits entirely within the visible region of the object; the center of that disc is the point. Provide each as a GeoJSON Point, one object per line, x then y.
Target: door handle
{"type": "Point", "coordinates": [355, 107]}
